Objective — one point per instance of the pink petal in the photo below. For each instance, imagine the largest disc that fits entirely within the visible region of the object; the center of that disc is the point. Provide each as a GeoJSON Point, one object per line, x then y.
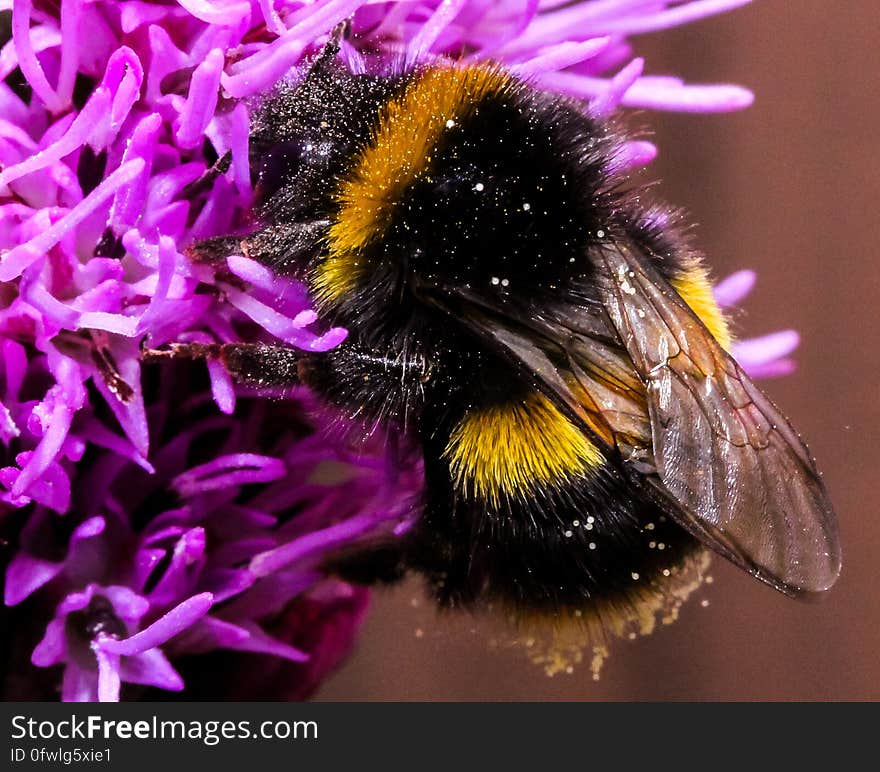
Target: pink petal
{"type": "Point", "coordinates": [733, 289]}
{"type": "Point", "coordinates": [560, 56]}
{"type": "Point", "coordinates": [30, 65]}
{"type": "Point", "coordinates": [164, 628]}
{"type": "Point", "coordinates": [767, 348]}
{"type": "Point", "coordinates": [26, 574]}
{"type": "Point", "coordinates": [79, 684]}
{"type": "Point", "coordinates": [442, 17]}
{"type": "Point", "coordinates": [47, 450]}
{"type": "Point", "coordinates": [776, 369]}
{"type": "Point", "coordinates": [260, 642]}
{"type": "Point", "coordinates": [313, 543]}
{"type": "Point", "coordinates": [151, 668]}
{"type": "Point", "coordinates": [224, 12]}
{"type": "Point", "coordinates": [53, 647]}
{"type": "Point", "coordinates": [78, 133]}
{"type": "Point", "coordinates": [108, 673]}
{"type": "Point", "coordinates": [237, 469]}
{"type": "Point", "coordinates": [202, 100]}
{"type": "Point", "coordinates": [610, 98]}
{"type": "Point", "coordinates": [251, 271]}
{"type": "Point", "coordinates": [222, 388]}
{"type": "Point", "coordinates": [20, 257]}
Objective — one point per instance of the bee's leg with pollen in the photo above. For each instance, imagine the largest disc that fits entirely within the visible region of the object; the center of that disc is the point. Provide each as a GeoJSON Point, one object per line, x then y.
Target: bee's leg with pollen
{"type": "Point", "coordinates": [256, 364]}
{"type": "Point", "coordinates": [286, 249]}
{"type": "Point", "coordinates": [214, 251]}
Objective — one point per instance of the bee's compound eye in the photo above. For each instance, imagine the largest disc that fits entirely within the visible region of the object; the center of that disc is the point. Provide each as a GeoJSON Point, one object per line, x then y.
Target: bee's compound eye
{"type": "Point", "coordinates": [280, 164]}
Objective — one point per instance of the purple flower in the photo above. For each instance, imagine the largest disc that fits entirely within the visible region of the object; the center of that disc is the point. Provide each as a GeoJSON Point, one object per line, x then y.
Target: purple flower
{"type": "Point", "coordinates": [154, 518]}
{"type": "Point", "coordinates": [91, 634]}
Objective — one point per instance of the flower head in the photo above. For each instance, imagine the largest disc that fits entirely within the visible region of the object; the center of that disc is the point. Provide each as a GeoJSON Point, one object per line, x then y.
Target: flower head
{"type": "Point", "coordinates": [153, 516]}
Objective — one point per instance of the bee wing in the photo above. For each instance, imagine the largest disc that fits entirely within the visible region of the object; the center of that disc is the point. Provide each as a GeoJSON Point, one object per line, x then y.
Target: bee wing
{"type": "Point", "coordinates": [586, 370]}
{"type": "Point", "coordinates": [644, 376]}
{"type": "Point", "coordinates": [745, 481]}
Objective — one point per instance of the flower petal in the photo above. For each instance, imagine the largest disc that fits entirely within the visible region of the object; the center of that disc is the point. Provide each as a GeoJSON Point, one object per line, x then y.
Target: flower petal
{"type": "Point", "coordinates": [167, 626]}
{"type": "Point", "coordinates": [151, 668]}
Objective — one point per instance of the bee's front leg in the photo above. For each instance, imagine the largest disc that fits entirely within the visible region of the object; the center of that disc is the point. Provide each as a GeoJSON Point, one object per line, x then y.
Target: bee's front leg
{"type": "Point", "coordinates": [286, 249]}
{"type": "Point", "coordinates": [255, 364]}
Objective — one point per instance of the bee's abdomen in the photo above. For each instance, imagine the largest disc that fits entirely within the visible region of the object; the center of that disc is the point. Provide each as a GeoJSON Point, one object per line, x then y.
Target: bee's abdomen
{"type": "Point", "coordinates": [563, 548]}
{"type": "Point", "coordinates": [523, 510]}
{"type": "Point", "coordinates": [581, 543]}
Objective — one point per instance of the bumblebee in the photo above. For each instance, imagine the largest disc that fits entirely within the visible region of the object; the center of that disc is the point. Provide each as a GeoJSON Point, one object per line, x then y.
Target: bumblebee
{"type": "Point", "coordinates": [547, 339]}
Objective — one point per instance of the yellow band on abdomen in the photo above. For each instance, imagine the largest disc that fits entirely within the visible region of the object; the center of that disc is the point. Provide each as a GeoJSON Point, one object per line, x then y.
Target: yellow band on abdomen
{"type": "Point", "coordinates": [506, 450]}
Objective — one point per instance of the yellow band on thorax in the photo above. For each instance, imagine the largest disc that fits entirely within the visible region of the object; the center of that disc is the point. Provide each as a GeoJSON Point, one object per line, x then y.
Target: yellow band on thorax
{"type": "Point", "coordinates": [696, 290]}
{"type": "Point", "coordinates": [407, 131]}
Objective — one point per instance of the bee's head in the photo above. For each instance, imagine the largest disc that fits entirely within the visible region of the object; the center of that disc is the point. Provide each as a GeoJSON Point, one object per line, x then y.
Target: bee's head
{"type": "Point", "coordinates": [304, 136]}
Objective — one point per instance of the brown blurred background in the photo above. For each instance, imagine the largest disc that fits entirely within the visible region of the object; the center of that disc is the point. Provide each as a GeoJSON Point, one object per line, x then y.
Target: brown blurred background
{"type": "Point", "coordinates": [790, 187]}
